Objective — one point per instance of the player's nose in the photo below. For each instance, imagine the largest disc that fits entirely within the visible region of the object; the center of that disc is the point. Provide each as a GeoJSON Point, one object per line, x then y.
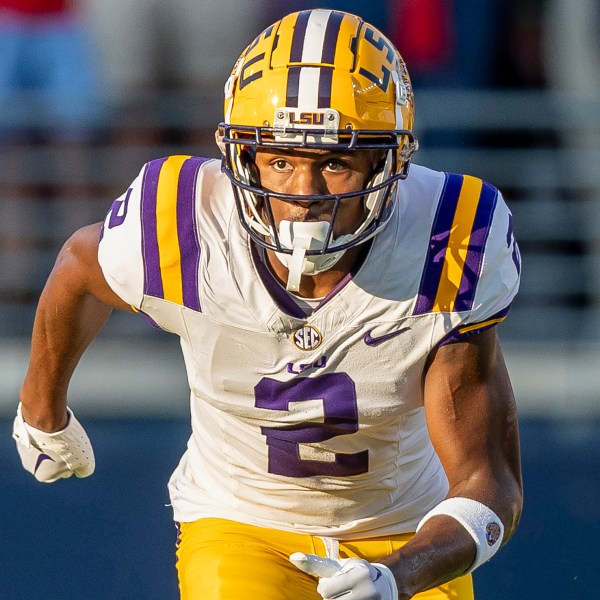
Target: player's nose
{"type": "Point", "coordinates": [308, 182]}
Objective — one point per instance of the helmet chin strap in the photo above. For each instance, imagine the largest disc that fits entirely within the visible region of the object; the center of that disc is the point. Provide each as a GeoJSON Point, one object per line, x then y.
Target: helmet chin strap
{"type": "Point", "coordinates": [300, 236]}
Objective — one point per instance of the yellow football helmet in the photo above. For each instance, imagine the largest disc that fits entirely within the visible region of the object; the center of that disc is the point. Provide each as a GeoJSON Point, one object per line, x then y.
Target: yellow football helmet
{"type": "Point", "coordinates": [319, 79]}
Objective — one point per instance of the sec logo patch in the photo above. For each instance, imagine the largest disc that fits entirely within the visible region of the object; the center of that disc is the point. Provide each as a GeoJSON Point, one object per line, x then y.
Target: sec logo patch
{"type": "Point", "coordinates": [307, 338]}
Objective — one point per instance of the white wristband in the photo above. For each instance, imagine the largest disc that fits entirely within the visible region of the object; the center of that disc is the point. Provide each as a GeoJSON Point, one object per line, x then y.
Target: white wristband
{"type": "Point", "coordinates": [482, 523]}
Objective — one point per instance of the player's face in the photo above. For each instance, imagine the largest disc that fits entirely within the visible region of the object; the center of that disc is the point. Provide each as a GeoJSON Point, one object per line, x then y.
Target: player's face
{"type": "Point", "coordinates": [312, 171]}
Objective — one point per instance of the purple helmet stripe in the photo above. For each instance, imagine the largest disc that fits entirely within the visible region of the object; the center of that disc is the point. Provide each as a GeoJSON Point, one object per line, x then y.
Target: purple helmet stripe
{"type": "Point", "coordinates": [440, 235]}
{"type": "Point", "coordinates": [325, 78]}
{"type": "Point", "coordinates": [331, 37]}
{"type": "Point", "coordinates": [293, 86]}
{"type": "Point", "coordinates": [189, 243]}
{"type": "Point", "coordinates": [299, 36]}
{"type": "Point", "coordinates": [268, 31]}
{"type": "Point", "coordinates": [153, 285]}
{"type": "Point", "coordinates": [477, 242]}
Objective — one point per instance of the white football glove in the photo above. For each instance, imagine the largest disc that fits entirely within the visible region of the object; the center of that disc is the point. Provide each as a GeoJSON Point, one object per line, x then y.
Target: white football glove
{"type": "Point", "coordinates": [51, 456]}
{"type": "Point", "coordinates": [352, 577]}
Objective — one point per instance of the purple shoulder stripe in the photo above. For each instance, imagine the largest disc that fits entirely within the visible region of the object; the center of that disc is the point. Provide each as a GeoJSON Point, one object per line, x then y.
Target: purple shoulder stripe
{"type": "Point", "coordinates": [152, 277]}
{"type": "Point", "coordinates": [438, 243]}
{"type": "Point", "coordinates": [178, 201]}
{"type": "Point", "coordinates": [189, 240]}
{"type": "Point", "coordinates": [452, 233]}
{"type": "Point", "coordinates": [474, 260]}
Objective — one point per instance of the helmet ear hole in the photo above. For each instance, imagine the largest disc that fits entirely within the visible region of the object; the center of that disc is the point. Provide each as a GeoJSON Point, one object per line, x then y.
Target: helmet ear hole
{"type": "Point", "coordinates": [379, 167]}
{"type": "Point", "coordinates": [249, 167]}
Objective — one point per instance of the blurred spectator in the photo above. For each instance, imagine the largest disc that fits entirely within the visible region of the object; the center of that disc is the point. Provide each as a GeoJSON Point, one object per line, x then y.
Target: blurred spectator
{"type": "Point", "coordinates": [572, 61]}
{"type": "Point", "coordinates": [572, 48]}
{"type": "Point", "coordinates": [521, 62]}
{"type": "Point", "coordinates": [424, 32]}
{"type": "Point", "coordinates": [50, 111]}
{"type": "Point", "coordinates": [48, 78]}
{"type": "Point", "coordinates": [183, 47]}
{"type": "Point", "coordinates": [49, 94]}
{"type": "Point", "coordinates": [448, 43]}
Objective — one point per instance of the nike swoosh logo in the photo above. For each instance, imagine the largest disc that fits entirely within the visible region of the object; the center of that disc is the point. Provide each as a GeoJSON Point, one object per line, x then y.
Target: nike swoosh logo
{"type": "Point", "coordinates": [40, 460]}
{"type": "Point", "coordinates": [375, 341]}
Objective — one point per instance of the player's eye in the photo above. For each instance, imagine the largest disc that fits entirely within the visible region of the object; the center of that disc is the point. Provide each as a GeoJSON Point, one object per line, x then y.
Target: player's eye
{"type": "Point", "coordinates": [281, 165]}
{"type": "Point", "coordinates": [335, 165]}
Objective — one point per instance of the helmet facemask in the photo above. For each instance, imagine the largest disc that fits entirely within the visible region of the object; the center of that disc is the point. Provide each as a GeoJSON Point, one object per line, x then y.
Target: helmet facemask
{"type": "Point", "coordinates": [320, 249]}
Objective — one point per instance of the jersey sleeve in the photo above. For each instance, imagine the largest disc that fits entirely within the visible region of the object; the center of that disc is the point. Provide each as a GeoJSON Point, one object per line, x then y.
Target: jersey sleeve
{"type": "Point", "coordinates": [120, 249]}
{"type": "Point", "coordinates": [473, 265]}
{"type": "Point", "coordinates": [492, 269]}
{"type": "Point", "coordinates": [500, 272]}
{"type": "Point", "coordinates": [150, 248]}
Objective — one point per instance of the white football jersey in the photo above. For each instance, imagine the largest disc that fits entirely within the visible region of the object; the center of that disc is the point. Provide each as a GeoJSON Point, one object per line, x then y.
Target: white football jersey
{"type": "Point", "coordinates": [313, 423]}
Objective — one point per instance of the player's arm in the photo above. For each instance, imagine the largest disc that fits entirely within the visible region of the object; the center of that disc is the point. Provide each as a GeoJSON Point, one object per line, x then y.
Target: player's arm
{"type": "Point", "coordinates": [75, 303]}
{"type": "Point", "coordinates": [472, 421]}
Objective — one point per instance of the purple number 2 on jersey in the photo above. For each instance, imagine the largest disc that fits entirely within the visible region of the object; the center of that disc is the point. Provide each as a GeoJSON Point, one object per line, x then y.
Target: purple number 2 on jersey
{"type": "Point", "coordinates": [340, 417]}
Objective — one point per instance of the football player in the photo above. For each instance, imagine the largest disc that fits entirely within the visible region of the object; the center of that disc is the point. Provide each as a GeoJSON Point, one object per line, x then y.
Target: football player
{"type": "Point", "coordinates": [354, 431]}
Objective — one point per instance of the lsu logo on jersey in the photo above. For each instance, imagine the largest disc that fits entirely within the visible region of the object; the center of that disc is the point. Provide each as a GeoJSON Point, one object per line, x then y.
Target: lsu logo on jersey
{"type": "Point", "coordinates": [307, 338]}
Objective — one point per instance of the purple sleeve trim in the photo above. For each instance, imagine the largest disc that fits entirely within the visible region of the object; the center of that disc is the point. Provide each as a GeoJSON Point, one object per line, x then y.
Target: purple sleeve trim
{"type": "Point", "coordinates": [459, 335]}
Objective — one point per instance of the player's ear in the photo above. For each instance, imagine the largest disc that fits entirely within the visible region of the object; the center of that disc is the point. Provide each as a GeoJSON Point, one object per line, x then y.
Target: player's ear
{"type": "Point", "coordinates": [219, 134]}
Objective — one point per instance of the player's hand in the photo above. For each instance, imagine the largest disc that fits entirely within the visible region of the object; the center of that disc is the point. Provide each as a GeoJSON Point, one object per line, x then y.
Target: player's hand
{"type": "Point", "coordinates": [352, 577]}
{"type": "Point", "coordinates": [52, 456]}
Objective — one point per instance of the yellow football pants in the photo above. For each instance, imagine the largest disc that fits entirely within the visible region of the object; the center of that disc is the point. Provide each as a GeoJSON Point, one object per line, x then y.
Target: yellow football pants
{"type": "Point", "coordinates": [226, 560]}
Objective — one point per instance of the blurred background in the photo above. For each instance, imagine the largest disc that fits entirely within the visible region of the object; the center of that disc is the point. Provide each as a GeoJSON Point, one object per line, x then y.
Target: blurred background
{"type": "Point", "coordinates": [91, 89]}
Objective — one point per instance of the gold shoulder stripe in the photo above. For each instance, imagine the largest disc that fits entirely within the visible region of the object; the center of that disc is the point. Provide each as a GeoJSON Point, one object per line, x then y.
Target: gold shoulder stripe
{"type": "Point", "coordinates": [166, 228]}
{"type": "Point", "coordinates": [458, 244]}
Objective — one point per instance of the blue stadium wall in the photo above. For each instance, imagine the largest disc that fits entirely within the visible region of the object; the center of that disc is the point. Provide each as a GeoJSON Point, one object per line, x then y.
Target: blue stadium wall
{"type": "Point", "coordinates": [111, 536]}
